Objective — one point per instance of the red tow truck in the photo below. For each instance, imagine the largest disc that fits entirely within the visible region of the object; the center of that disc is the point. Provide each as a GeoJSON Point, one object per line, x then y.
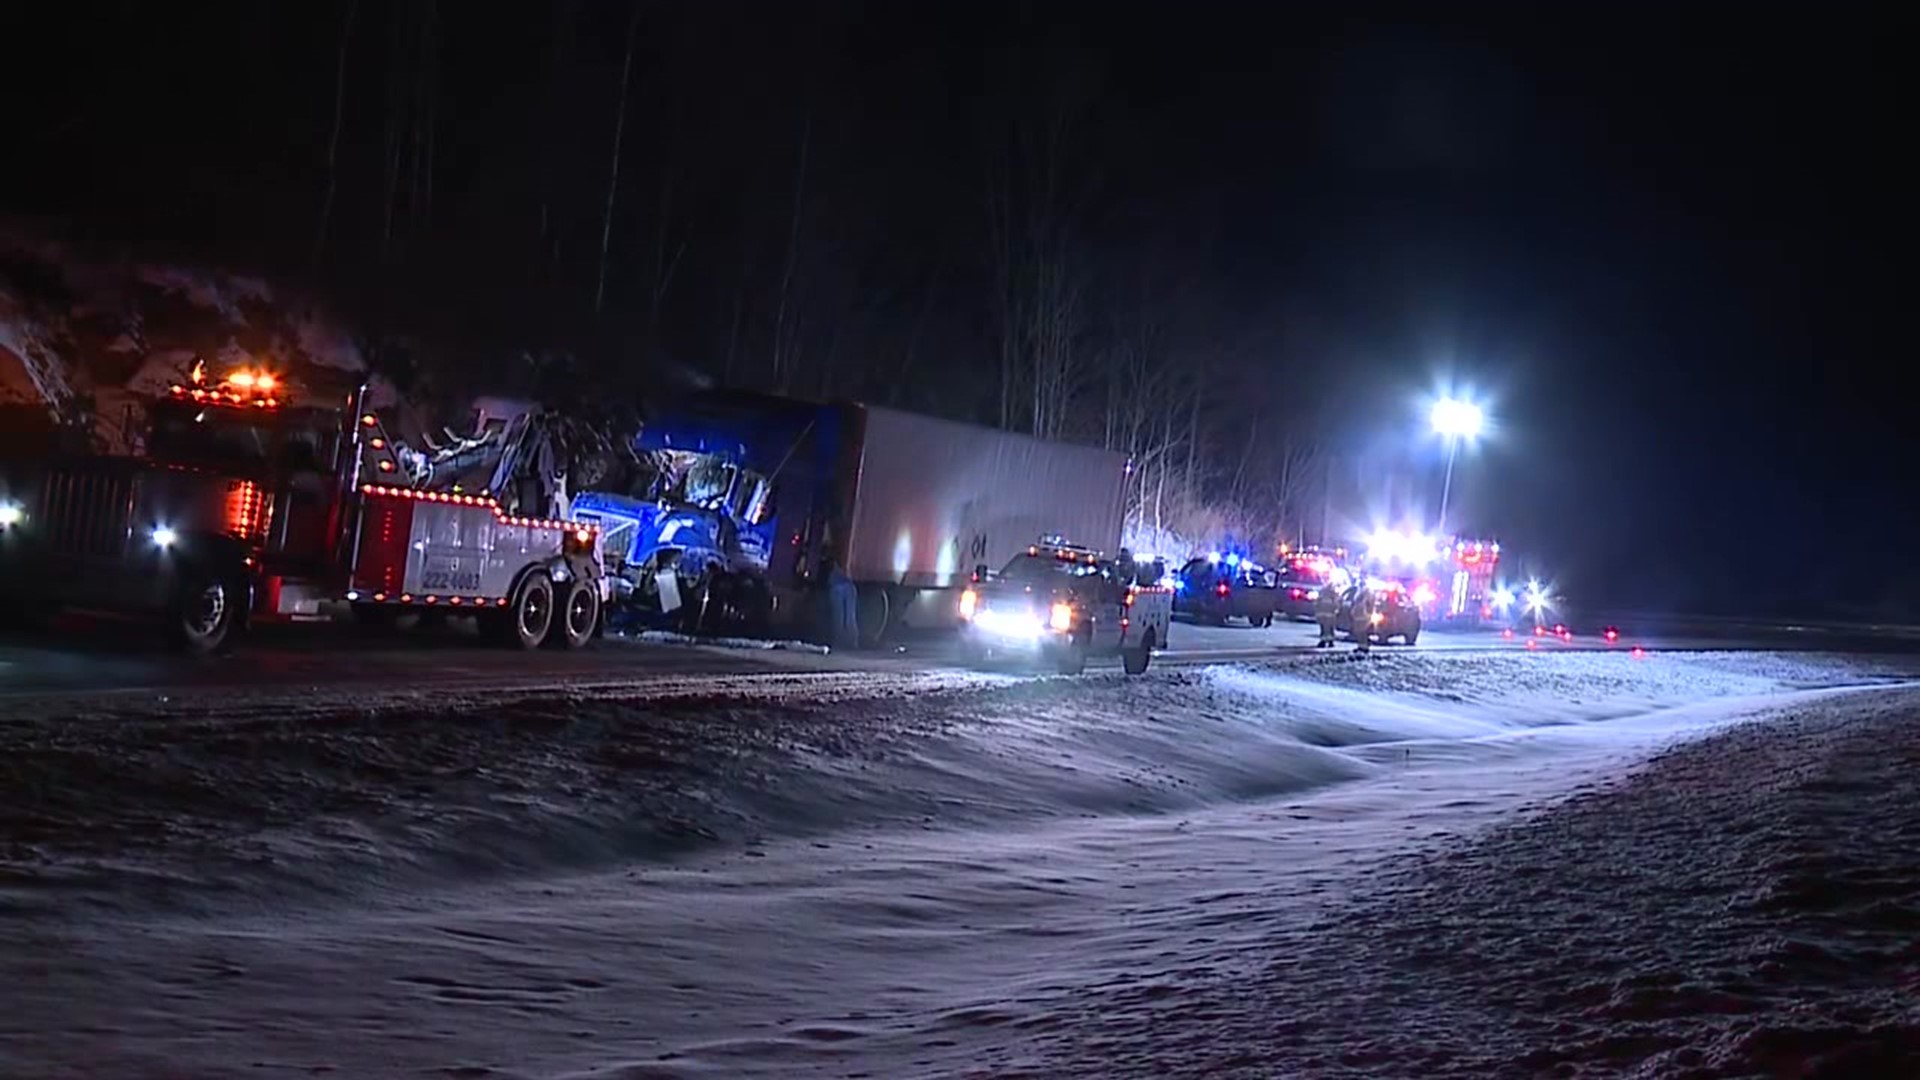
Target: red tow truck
{"type": "Point", "coordinates": [245, 506]}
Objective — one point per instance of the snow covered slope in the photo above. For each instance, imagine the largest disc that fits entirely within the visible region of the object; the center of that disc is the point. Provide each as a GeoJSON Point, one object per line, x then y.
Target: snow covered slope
{"type": "Point", "coordinates": [1316, 867]}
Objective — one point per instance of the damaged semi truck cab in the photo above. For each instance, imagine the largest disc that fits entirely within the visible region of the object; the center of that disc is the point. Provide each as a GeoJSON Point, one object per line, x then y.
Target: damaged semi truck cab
{"type": "Point", "coordinates": [243, 507]}
{"type": "Point", "coordinates": [751, 494]}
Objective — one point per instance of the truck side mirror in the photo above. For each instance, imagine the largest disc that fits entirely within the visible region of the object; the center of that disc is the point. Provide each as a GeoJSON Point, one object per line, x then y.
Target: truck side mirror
{"type": "Point", "coordinates": [980, 571]}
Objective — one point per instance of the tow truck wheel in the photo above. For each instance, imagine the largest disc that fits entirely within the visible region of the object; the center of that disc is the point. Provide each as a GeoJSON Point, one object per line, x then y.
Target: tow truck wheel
{"type": "Point", "coordinates": [204, 612]}
{"type": "Point", "coordinates": [1412, 636]}
{"type": "Point", "coordinates": [1135, 661]}
{"type": "Point", "coordinates": [578, 617]}
{"type": "Point", "coordinates": [529, 617]}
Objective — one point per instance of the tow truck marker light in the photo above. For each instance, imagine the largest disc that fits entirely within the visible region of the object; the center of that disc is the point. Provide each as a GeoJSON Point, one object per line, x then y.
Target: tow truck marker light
{"type": "Point", "coordinates": [352, 594]}
{"type": "Point", "coordinates": [433, 599]}
{"type": "Point", "coordinates": [380, 596]}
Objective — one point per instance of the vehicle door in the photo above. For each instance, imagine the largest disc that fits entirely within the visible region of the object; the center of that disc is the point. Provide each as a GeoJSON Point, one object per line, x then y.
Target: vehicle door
{"type": "Point", "coordinates": [1152, 608]}
{"type": "Point", "coordinates": [1195, 589]}
{"type": "Point", "coordinates": [1106, 598]}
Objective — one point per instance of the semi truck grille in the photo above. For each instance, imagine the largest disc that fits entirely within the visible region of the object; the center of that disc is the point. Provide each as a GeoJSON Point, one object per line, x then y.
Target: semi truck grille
{"type": "Point", "coordinates": [85, 513]}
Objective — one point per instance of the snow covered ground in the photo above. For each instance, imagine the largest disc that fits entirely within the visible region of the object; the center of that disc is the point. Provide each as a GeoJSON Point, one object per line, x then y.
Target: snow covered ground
{"type": "Point", "coordinates": [1415, 865]}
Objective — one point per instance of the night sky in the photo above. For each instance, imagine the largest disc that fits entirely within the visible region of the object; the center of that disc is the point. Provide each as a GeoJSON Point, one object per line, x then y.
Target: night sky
{"type": "Point", "coordinates": [1649, 238]}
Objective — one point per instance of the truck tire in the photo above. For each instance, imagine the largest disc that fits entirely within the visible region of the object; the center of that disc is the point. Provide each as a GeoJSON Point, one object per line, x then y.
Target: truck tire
{"type": "Point", "coordinates": [529, 615]}
{"type": "Point", "coordinates": [205, 610]}
{"type": "Point", "coordinates": [579, 616]}
{"type": "Point", "coordinates": [875, 613]}
{"type": "Point", "coordinates": [1136, 661]}
{"type": "Point", "coordinates": [1412, 635]}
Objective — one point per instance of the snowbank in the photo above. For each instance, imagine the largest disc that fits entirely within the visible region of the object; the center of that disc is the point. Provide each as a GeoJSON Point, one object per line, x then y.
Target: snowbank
{"type": "Point", "coordinates": [99, 335]}
{"type": "Point", "coordinates": [1745, 905]}
{"type": "Point", "coordinates": [1219, 872]}
{"type": "Point", "coordinates": [329, 794]}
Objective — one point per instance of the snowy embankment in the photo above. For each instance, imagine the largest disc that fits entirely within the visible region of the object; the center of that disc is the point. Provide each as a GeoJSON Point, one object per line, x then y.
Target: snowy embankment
{"type": "Point", "coordinates": [1304, 868]}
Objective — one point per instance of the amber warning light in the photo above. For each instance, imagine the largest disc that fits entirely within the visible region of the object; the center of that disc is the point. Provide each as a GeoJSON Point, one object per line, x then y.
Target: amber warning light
{"type": "Point", "coordinates": [242, 387]}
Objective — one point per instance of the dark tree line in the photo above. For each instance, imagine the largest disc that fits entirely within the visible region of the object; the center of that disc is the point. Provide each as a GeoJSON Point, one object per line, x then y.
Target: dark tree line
{"type": "Point", "coordinates": [953, 213]}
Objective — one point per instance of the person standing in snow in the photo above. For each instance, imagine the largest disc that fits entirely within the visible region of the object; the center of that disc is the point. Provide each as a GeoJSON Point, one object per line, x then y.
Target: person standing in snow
{"type": "Point", "coordinates": [839, 618]}
{"type": "Point", "coordinates": [1362, 617]}
{"type": "Point", "coordinates": [1326, 611]}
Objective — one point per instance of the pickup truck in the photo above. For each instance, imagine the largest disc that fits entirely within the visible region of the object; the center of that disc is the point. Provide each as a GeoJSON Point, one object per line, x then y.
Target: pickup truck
{"type": "Point", "coordinates": [1060, 604]}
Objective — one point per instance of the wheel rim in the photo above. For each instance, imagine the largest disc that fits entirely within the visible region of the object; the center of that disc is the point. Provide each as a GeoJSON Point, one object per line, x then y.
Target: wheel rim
{"type": "Point", "coordinates": [206, 610]}
{"type": "Point", "coordinates": [580, 614]}
{"type": "Point", "coordinates": [535, 612]}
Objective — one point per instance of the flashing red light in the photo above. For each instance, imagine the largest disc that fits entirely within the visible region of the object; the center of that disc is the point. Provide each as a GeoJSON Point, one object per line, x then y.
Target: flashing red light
{"type": "Point", "coordinates": [1532, 644]}
{"type": "Point", "coordinates": [1612, 635]}
{"type": "Point", "coordinates": [1507, 633]}
{"type": "Point", "coordinates": [1559, 629]}
{"type": "Point", "coordinates": [1639, 653]}
{"type": "Point", "coordinates": [1221, 588]}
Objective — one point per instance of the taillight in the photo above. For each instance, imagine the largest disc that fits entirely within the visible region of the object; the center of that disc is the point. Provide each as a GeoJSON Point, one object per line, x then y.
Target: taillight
{"type": "Point", "coordinates": [1221, 588]}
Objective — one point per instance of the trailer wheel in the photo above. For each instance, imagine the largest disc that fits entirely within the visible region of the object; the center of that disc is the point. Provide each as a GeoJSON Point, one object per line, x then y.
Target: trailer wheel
{"type": "Point", "coordinates": [529, 617]}
{"type": "Point", "coordinates": [579, 617]}
{"type": "Point", "coordinates": [874, 614]}
{"type": "Point", "coordinates": [205, 609]}
{"type": "Point", "coordinates": [1135, 661]}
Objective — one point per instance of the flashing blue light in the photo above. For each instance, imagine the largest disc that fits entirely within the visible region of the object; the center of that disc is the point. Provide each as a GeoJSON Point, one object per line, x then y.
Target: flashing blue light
{"type": "Point", "coordinates": [1213, 556]}
{"type": "Point", "coordinates": [1233, 560]}
{"type": "Point", "coordinates": [1179, 584]}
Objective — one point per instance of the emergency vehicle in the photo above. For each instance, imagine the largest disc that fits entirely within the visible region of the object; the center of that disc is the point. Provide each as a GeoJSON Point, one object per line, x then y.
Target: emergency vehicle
{"type": "Point", "coordinates": [1465, 591]}
{"type": "Point", "coordinates": [248, 506]}
{"type": "Point", "coordinates": [1303, 574]}
{"type": "Point", "coordinates": [1061, 603]}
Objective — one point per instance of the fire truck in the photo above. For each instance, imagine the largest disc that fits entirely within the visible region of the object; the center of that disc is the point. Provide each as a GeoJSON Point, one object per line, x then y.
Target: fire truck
{"type": "Point", "coordinates": [1464, 589]}
{"type": "Point", "coordinates": [246, 506]}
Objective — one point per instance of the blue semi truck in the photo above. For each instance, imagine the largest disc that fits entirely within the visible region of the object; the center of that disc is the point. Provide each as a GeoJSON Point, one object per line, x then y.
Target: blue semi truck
{"type": "Point", "coordinates": [734, 500]}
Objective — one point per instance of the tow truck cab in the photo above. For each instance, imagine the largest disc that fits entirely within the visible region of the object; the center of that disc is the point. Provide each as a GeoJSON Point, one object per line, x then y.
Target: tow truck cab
{"type": "Point", "coordinates": [1061, 603]}
{"type": "Point", "coordinates": [243, 507]}
{"type": "Point", "coordinates": [235, 490]}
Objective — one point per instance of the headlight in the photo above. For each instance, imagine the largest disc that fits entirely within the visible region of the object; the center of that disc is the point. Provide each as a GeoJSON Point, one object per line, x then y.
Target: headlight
{"type": "Point", "coordinates": [11, 513]}
{"type": "Point", "coordinates": [969, 603]}
{"type": "Point", "coordinates": [1376, 618]}
{"type": "Point", "coordinates": [1062, 617]}
{"type": "Point", "coordinates": [162, 536]}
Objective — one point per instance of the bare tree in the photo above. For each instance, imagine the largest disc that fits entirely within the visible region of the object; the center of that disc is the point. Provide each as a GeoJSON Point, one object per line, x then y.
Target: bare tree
{"type": "Point", "coordinates": [613, 170]}
{"type": "Point", "coordinates": [411, 94]}
{"type": "Point", "coordinates": [786, 328]}
{"type": "Point", "coordinates": [1036, 202]}
{"type": "Point", "coordinates": [333, 139]}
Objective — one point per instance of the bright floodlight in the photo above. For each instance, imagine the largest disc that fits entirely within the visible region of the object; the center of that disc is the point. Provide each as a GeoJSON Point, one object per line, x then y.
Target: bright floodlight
{"type": "Point", "coordinates": [1536, 599]}
{"type": "Point", "coordinates": [1457, 419]}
